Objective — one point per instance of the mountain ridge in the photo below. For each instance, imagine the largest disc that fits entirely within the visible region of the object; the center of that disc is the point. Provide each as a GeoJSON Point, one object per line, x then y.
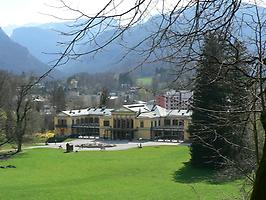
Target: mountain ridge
{"type": "Point", "coordinates": [105, 60]}
{"type": "Point", "coordinates": [16, 58]}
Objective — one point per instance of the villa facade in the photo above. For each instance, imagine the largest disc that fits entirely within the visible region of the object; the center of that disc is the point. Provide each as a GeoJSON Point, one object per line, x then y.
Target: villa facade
{"type": "Point", "coordinates": [129, 122]}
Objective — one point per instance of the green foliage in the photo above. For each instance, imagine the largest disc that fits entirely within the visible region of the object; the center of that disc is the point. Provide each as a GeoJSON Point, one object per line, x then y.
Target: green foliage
{"type": "Point", "coordinates": [56, 138]}
{"type": "Point", "coordinates": [144, 81]}
{"type": "Point", "coordinates": [104, 97]}
{"type": "Point", "coordinates": [147, 173]}
{"type": "Point", "coordinates": [58, 98]}
{"type": "Point", "coordinates": [3, 118]}
{"type": "Point", "coordinates": [125, 78]}
{"type": "Point", "coordinates": [219, 94]}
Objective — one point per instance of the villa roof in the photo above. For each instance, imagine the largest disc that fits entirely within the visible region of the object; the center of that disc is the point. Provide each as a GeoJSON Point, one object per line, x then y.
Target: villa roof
{"type": "Point", "coordinates": [152, 111]}
{"type": "Point", "coordinates": [88, 111]}
{"type": "Point", "coordinates": [122, 110]}
{"type": "Point", "coordinates": [178, 113]}
{"type": "Point", "coordinates": [148, 115]}
{"type": "Point", "coordinates": [142, 110]}
{"type": "Point", "coordinates": [140, 107]}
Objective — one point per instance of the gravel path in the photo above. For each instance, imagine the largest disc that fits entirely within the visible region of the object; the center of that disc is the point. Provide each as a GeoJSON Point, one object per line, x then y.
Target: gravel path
{"type": "Point", "coordinates": [120, 145]}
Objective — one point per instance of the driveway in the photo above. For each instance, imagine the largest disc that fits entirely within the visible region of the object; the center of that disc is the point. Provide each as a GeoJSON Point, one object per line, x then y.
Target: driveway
{"type": "Point", "coordinates": [120, 144]}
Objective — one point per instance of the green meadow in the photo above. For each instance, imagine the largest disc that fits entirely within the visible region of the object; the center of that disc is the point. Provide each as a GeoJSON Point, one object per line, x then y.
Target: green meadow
{"type": "Point", "coordinates": [148, 173]}
{"type": "Point", "coordinates": [144, 81]}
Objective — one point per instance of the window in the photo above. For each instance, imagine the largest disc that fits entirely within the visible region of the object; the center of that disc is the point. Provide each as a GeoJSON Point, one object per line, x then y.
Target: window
{"type": "Point", "coordinates": [159, 123]}
{"type": "Point", "coordinates": [96, 120]}
{"type": "Point", "coordinates": [175, 122]}
{"type": "Point", "coordinates": [106, 123]}
{"type": "Point", "coordinates": [181, 123]}
{"type": "Point", "coordinates": [90, 120]}
{"type": "Point", "coordinates": [86, 120]}
{"type": "Point", "coordinates": [131, 123]}
{"type": "Point", "coordinates": [61, 122]}
{"type": "Point", "coordinates": [141, 124]}
{"type": "Point", "coordinates": [167, 122]}
{"type": "Point", "coordinates": [82, 120]}
{"type": "Point", "coordinates": [123, 123]}
{"type": "Point", "coordinates": [155, 123]}
{"type": "Point", "coordinates": [151, 123]}
{"type": "Point", "coordinates": [78, 121]}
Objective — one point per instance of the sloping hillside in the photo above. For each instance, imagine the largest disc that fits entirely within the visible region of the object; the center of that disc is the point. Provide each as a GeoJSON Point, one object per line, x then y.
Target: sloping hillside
{"type": "Point", "coordinates": [16, 58]}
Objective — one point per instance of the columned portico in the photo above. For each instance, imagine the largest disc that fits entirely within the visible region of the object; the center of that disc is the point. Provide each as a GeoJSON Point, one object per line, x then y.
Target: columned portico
{"type": "Point", "coordinates": [123, 124]}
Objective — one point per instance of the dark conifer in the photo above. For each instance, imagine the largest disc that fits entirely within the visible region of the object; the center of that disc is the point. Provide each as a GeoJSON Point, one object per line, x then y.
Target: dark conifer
{"type": "Point", "coordinates": [218, 96]}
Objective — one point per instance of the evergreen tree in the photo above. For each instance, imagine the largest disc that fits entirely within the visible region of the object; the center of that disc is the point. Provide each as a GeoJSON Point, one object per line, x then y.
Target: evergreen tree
{"type": "Point", "coordinates": [58, 98]}
{"type": "Point", "coordinates": [218, 94]}
{"type": "Point", "coordinates": [104, 97]}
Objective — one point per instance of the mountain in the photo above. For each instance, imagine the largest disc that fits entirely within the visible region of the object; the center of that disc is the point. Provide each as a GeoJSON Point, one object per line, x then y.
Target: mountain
{"type": "Point", "coordinates": [111, 58]}
{"type": "Point", "coordinates": [44, 38]}
{"type": "Point", "coordinates": [42, 41]}
{"type": "Point", "coordinates": [16, 58]}
{"type": "Point", "coordinates": [9, 29]}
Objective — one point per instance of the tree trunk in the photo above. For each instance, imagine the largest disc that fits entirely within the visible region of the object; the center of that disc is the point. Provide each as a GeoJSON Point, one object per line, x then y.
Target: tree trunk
{"type": "Point", "coordinates": [259, 191]}
{"type": "Point", "coordinates": [19, 145]}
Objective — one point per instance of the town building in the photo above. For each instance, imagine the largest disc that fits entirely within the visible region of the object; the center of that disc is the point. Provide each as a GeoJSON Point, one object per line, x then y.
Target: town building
{"type": "Point", "coordinates": [175, 99]}
{"type": "Point", "coordinates": [128, 122]}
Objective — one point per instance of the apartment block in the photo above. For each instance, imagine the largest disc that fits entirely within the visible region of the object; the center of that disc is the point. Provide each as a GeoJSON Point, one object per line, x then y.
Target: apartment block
{"type": "Point", "coordinates": [171, 100]}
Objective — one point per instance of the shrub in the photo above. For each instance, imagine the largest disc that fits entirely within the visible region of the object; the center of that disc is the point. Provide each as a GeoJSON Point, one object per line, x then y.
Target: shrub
{"type": "Point", "coordinates": [56, 138]}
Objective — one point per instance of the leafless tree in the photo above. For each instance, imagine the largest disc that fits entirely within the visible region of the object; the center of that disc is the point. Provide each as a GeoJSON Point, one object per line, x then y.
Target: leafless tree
{"type": "Point", "coordinates": [178, 34]}
{"type": "Point", "coordinates": [16, 109]}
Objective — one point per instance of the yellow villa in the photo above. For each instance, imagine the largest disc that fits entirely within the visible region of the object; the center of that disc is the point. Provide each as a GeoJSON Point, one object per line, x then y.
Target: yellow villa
{"type": "Point", "coordinates": [129, 122]}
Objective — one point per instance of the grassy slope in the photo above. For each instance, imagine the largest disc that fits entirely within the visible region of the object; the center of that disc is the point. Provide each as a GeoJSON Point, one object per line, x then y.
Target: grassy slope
{"type": "Point", "coordinates": [10, 147]}
{"type": "Point", "coordinates": [148, 173]}
{"type": "Point", "coordinates": [145, 81]}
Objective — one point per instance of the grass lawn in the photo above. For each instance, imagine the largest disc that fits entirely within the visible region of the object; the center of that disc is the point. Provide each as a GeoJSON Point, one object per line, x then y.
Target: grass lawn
{"type": "Point", "coordinates": [148, 173]}
{"type": "Point", "coordinates": [10, 147]}
{"type": "Point", "coordinates": [145, 81]}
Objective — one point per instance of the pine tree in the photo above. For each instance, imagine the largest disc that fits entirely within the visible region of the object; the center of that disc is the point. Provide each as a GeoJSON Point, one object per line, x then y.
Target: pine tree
{"type": "Point", "coordinates": [218, 94]}
{"type": "Point", "coordinates": [59, 98]}
{"type": "Point", "coordinates": [104, 98]}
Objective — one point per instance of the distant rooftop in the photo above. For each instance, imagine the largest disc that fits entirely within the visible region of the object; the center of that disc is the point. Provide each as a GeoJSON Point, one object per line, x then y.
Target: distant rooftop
{"type": "Point", "coordinates": [88, 111]}
{"type": "Point", "coordinates": [142, 110]}
{"type": "Point", "coordinates": [153, 111]}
